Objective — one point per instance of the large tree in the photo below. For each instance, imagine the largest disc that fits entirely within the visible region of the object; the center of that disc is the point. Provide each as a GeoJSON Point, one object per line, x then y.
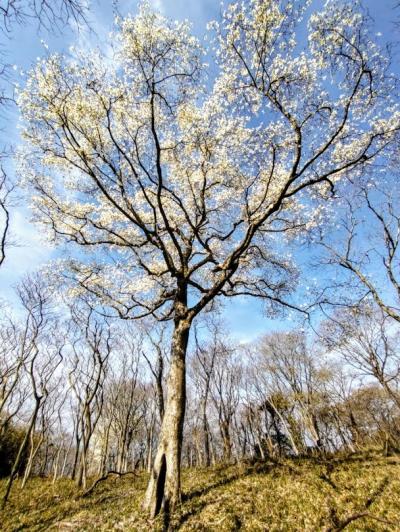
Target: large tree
{"type": "Point", "coordinates": [182, 193]}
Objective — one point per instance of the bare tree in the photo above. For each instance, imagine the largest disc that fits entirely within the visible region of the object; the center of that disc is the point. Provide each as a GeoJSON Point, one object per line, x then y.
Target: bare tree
{"type": "Point", "coordinates": [225, 389]}
{"type": "Point", "coordinates": [156, 359]}
{"type": "Point", "coordinates": [62, 438]}
{"type": "Point", "coordinates": [291, 363]}
{"type": "Point", "coordinates": [90, 356]}
{"type": "Point", "coordinates": [49, 14]}
{"type": "Point", "coordinates": [366, 253]}
{"type": "Point", "coordinates": [40, 435]}
{"type": "Point", "coordinates": [5, 192]}
{"type": "Point", "coordinates": [14, 352]}
{"type": "Point", "coordinates": [268, 407]}
{"type": "Point", "coordinates": [127, 394]}
{"type": "Point", "coordinates": [202, 371]}
{"type": "Point", "coordinates": [41, 361]}
{"type": "Point", "coordinates": [368, 340]}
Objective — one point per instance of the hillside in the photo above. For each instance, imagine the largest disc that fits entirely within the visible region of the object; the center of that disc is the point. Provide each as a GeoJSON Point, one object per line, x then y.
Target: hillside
{"type": "Point", "coordinates": [360, 492]}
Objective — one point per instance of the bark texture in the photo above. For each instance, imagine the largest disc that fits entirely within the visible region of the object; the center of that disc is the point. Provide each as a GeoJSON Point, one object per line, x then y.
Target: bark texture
{"type": "Point", "coordinates": [164, 488]}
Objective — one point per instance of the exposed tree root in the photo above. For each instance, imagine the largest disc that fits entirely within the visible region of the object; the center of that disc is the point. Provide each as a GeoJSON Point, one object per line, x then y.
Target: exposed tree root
{"type": "Point", "coordinates": [340, 524]}
{"type": "Point", "coordinates": [105, 477]}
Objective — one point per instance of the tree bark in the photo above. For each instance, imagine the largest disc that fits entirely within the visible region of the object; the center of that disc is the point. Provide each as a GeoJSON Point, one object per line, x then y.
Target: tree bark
{"type": "Point", "coordinates": [149, 458]}
{"type": "Point", "coordinates": [21, 450]}
{"type": "Point", "coordinates": [164, 488]}
{"type": "Point", "coordinates": [76, 452]}
{"type": "Point", "coordinates": [226, 440]}
{"type": "Point", "coordinates": [205, 431]}
{"type": "Point", "coordinates": [32, 454]}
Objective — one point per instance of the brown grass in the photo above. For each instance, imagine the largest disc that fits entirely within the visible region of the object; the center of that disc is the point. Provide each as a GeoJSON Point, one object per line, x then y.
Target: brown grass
{"type": "Point", "coordinates": [361, 492]}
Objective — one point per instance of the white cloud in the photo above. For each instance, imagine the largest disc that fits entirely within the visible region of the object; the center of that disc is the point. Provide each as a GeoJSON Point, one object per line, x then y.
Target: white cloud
{"type": "Point", "coordinates": [96, 36]}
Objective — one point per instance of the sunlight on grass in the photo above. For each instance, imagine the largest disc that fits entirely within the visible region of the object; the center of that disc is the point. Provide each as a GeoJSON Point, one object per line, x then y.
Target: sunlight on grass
{"type": "Point", "coordinates": [301, 494]}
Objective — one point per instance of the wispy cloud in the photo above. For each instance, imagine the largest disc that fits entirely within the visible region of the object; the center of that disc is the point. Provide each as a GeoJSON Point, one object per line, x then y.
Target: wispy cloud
{"type": "Point", "coordinates": [158, 5]}
{"type": "Point", "coordinates": [96, 36]}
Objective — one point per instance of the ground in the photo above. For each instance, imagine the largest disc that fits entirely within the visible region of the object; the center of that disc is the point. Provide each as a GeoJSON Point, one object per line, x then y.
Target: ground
{"type": "Point", "coordinates": [358, 492]}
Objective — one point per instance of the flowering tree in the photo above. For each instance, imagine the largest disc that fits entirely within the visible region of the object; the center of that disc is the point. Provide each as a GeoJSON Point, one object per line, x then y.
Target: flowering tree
{"type": "Point", "coordinates": [49, 15]}
{"type": "Point", "coordinates": [186, 194]}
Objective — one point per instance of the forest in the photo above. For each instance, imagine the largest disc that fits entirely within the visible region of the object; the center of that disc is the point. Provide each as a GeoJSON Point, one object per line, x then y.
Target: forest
{"type": "Point", "coordinates": [199, 265]}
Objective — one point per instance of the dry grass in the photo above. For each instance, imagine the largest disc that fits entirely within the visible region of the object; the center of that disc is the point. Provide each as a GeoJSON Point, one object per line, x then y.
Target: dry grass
{"type": "Point", "coordinates": [361, 492]}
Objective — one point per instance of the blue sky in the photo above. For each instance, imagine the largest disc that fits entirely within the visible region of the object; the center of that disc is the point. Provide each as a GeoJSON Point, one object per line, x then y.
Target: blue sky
{"type": "Point", "coordinates": [24, 45]}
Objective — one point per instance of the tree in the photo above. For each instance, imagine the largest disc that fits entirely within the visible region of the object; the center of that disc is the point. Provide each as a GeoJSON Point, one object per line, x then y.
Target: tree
{"type": "Point", "coordinates": [368, 340]}
{"type": "Point", "coordinates": [203, 367]}
{"type": "Point", "coordinates": [14, 353]}
{"type": "Point", "coordinates": [224, 392]}
{"type": "Point", "coordinates": [366, 255]}
{"type": "Point", "coordinates": [156, 338]}
{"type": "Point", "coordinates": [5, 191]}
{"type": "Point", "coordinates": [48, 14]}
{"type": "Point", "coordinates": [10, 443]}
{"type": "Point", "coordinates": [126, 394]}
{"type": "Point", "coordinates": [41, 360]}
{"type": "Point", "coordinates": [292, 365]}
{"type": "Point", "coordinates": [188, 195]}
{"type": "Point", "coordinates": [90, 354]}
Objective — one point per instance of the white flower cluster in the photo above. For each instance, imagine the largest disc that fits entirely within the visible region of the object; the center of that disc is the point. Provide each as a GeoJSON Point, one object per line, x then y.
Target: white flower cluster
{"type": "Point", "coordinates": [136, 158]}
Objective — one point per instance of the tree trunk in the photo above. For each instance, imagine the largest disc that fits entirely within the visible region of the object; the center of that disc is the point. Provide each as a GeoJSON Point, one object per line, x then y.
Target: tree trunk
{"type": "Point", "coordinates": [56, 462]}
{"type": "Point", "coordinates": [149, 459]}
{"type": "Point", "coordinates": [76, 453]}
{"type": "Point", "coordinates": [164, 488]}
{"type": "Point", "coordinates": [391, 393]}
{"type": "Point", "coordinates": [205, 431]}
{"type": "Point", "coordinates": [32, 454]}
{"type": "Point", "coordinates": [104, 452]}
{"type": "Point", "coordinates": [66, 456]}
{"type": "Point", "coordinates": [289, 432]}
{"type": "Point", "coordinates": [21, 451]}
{"type": "Point", "coordinates": [226, 440]}
{"type": "Point", "coordinates": [159, 385]}
{"type": "Point", "coordinates": [82, 470]}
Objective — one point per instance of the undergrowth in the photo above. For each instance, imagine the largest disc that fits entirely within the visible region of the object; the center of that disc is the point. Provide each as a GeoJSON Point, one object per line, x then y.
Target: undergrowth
{"type": "Point", "coordinates": [352, 493]}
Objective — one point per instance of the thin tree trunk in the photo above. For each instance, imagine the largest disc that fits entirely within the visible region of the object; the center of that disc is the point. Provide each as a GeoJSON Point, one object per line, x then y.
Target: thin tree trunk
{"type": "Point", "coordinates": [226, 440]}
{"type": "Point", "coordinates": [76, 454]}
{"type": "Point", "coordinates": [66, 458]}
{"type": "Point", "coordinates": [149, 460]}
{"type": "Point", "coordinates": [104, 453]}
{"type": "Point", "coordinates": [56, 463]}
{"type": "Point", "coordinates": [289, 432]}
{"type": "Point", "coordinates": [159, 385]}
{"type": "Point", "coordinates": [82, 470]}
{"type": "Point", "coordinates": [32, 454]}
{"type": "Point", "coordinates": [206, 438]}
{"type": "Point", "coordinates": [21, 450]}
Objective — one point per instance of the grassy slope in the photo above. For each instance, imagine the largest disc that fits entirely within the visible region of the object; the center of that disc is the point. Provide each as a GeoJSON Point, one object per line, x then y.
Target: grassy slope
{"type": "Point", "coordinates": [293, 495]}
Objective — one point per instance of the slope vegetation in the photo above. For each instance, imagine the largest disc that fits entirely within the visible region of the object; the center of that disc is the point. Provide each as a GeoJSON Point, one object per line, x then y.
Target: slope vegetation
{"type": "Point", "coordinates": [358, 492]}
